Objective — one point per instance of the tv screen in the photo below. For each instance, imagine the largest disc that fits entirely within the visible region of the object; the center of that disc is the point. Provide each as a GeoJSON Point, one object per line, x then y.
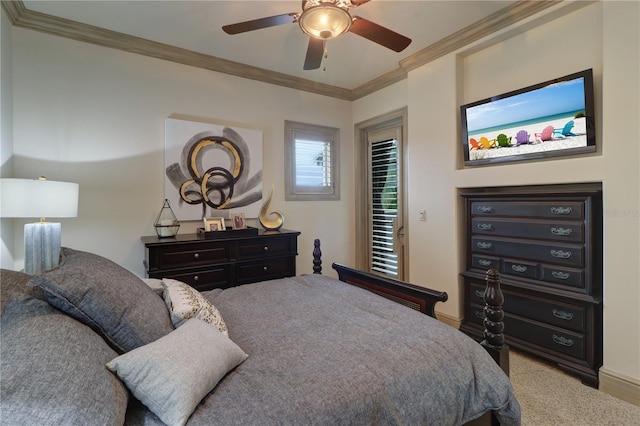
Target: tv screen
{"type": "Point", "coordinates": [548, 119]}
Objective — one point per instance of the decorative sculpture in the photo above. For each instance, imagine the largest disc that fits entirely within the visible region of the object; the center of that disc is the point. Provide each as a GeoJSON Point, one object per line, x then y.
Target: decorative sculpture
{"type": "Point", "coordinates": [270, 224]}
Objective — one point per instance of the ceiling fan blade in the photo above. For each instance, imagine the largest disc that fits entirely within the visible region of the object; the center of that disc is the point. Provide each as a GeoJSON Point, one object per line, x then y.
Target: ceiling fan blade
{"type": "Point", "coordinates": [315, 51]}
{"type": "Point", "coordinates": [357, 3]}
{"type": "Point", "coordinates": [256, 24]}
{"type": "Point", "coordinates": [379, 34]}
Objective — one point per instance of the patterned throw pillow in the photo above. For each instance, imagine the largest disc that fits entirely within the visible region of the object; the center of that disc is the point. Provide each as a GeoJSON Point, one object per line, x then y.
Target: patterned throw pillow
{"type": "Point", "coordinates": [185, 302]}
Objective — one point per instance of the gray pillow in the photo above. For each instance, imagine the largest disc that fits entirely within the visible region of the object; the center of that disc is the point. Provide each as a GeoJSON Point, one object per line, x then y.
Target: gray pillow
{"type": "Point", "coordinates": [106, 297]}
{"type": "Point", "coordinates": [172, 375]}
{"type": "Point", "coordinates": [52, 369]}
{"type": "Point", "coordinates": [13, 284]}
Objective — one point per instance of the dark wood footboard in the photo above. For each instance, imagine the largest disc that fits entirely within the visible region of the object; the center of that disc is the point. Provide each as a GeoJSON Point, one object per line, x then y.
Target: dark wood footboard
{"type": "Point", "coordinates": [419, 298]}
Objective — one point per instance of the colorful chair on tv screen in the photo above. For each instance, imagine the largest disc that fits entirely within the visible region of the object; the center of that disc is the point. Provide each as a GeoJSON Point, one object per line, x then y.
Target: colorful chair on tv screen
{"type": "Point", "coordinates": [522, 137]}
{"type": "Point", "coordinates": [486, 143]}
{"type": "Point", "coordinates": [565, 131]}
{"type": "Point", "coordinates": [503, 140]}
{"type": "Point", "coordinates": [545, 135]}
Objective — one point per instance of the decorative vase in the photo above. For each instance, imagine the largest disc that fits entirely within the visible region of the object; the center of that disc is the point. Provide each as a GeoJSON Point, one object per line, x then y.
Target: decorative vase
{"type": "Point", "coordinates": [166, 223]}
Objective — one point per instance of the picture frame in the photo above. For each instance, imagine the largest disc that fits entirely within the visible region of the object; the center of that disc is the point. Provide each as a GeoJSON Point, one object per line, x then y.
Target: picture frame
{"type": "Point", "coordinates": [214, 224]}
{"type": "Point", "coordinates": [238, 221]}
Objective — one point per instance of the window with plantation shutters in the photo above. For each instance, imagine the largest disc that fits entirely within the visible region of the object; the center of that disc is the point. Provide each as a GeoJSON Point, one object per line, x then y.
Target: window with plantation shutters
{"type": "Point", "coordinates": [384, 205]}
{"type": "Point", "coordinates": [311, 162]}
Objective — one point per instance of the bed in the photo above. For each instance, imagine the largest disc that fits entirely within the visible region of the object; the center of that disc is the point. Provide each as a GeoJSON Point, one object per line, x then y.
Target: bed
{"type": "Point", "coordinates": [305, 350]}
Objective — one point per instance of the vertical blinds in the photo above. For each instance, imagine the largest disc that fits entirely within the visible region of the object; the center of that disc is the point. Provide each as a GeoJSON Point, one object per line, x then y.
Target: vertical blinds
{"type": "Point", "coordinates": [384, 205]}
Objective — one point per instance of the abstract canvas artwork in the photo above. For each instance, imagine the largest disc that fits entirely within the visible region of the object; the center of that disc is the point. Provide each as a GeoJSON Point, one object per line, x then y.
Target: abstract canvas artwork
{"type": "Point", "coordinates": [212, 170]}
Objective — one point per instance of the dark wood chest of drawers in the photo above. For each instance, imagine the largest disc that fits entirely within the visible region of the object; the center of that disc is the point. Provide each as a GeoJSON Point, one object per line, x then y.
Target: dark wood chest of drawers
{"type": "Point", "coordinates": [547, 245]}
{"type": "Point", "coordinates": [222, 262]}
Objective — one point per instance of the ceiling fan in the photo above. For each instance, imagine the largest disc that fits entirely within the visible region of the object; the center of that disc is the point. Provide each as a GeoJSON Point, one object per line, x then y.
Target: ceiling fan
{"type": "Point", "coordinates": [324, 20]}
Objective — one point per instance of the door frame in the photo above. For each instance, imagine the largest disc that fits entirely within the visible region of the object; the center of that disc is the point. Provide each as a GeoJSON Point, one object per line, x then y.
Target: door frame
{"type": "Point", "coordinates": [396, 118]}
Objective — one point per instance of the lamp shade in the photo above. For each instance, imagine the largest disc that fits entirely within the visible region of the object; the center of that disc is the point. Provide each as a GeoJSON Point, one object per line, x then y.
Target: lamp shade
{"type": "Point", "coordinates": [38, 198]}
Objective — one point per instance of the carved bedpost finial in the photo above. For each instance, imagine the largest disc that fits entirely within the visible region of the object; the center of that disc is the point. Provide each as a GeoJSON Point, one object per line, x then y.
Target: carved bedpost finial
{"type": "Point", "coordinates": [494, 315]}
{"type": "Point", "coordinates": [317, 257]}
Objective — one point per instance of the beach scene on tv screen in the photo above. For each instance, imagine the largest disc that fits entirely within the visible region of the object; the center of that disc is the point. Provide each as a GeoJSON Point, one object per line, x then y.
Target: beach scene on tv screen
{"type": "Point", "coordinates": [542, 120]}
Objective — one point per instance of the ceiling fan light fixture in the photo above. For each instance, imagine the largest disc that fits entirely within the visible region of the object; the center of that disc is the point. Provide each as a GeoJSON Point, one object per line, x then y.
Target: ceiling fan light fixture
{"type": "Point", "coordinates": [325, 21]}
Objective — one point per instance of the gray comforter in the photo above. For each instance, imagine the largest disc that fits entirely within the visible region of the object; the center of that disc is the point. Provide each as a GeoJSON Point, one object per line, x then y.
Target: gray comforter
{"type": "Point", "coordinates": [322, 352]}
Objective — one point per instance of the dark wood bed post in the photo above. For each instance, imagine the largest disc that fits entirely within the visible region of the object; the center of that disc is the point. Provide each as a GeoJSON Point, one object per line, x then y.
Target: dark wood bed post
{"type": "Point", "coordinates": [493, 321]}
{"type": "Point", "coordinates": [317, 257]}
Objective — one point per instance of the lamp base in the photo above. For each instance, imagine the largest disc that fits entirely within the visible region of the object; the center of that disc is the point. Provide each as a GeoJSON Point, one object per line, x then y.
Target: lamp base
{"type": "Point", "coordinates": [41, 246]}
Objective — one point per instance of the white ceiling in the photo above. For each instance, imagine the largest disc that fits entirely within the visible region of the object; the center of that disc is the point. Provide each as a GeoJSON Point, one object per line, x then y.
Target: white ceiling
{"type": "Point", "coordinates": [352, 62]}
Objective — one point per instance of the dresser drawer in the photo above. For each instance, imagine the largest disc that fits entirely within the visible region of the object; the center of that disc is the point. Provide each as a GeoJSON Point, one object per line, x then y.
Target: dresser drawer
{"type": "Point", "coordinates": [540, 209]}
{"type": "Point", "coordinates": [265, 270]}
{"type": "Point", "coordinates": [179, 256]}
{"type": "Point", "coordinates": [549, 253]}
{"type": "Point", "coordinates": [555, 339]}
{"type": "Point", "coordinates": [217, 277]}
{"type": "Point", "coordinates": [520, 269]}
{"type": "Point", "coordinates": [485, 262]}
{"type": "Point", "coordinates": [564, 315]}
{"type": "Point", "coordinates": [264, 247]}
{"type": "Point", "coordinates": [573, 278]}
{"type": "Point", "coordinates": [553, 231]}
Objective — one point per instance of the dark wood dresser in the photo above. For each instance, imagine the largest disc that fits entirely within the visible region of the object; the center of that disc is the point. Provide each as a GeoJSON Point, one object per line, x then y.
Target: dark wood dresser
{"type": "Point", "coordinates": [547, 245]}
{"type": "Point", "coordinates": [222, 262]}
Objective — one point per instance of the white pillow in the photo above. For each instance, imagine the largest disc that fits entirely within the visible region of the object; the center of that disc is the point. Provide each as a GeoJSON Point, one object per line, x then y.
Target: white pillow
{"type": "Point", "coordinates": [185, 302]}
{"type": "Point", "coordinates": [172, 375]}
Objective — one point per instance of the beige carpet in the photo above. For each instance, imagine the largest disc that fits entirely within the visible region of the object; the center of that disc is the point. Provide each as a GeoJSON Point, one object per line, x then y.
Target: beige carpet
{"type": "Point", "coordinates": [549, 396]}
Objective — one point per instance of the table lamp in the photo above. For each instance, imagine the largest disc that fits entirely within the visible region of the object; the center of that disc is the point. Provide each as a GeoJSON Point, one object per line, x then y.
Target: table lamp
{"type": "Point", "coordinates": [24, 198]}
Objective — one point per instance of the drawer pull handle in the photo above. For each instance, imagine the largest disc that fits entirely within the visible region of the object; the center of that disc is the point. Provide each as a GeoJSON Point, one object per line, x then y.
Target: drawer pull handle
{"type": "Point", "coordinates": [561, 254]}
{"type": "Point", "coordinates": [561, 210]}
{"type": "Point", "coordinates": [519, 268]}
{"type": "Point", "coordinates": [484, 245]}
{"type": "Point", "coordinates": [485, 227]}
{"type": "Point", "coordinates": [264, 268]}
{"type": "Point", "coordinates": [479, 314]}
{"type": "Point", "coordinates": [568, 316]}
{"type": "Point", "coordinates": [195, 278]}
{"type": "Point", "coordinates": [563, 232]}
{"type": "Point", "coordinates": [485, 209]}
{"type": "Point", "coordinates": [479, 293]}
{"type": "Point", "coordinates": [265, 248]}
{"type": "Point", "coordinates": [563, 341]}
{"type": "Point", "coordinates": [196, 256]}
{"type": "Point", "coordinates": [484, 262]}
{"type": "Point", "coordinates": [560, 275]}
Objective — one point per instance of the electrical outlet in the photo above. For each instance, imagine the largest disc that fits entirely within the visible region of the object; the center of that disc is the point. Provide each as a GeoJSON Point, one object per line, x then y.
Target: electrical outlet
{"type": "Point", "coordinates": [422, 215]}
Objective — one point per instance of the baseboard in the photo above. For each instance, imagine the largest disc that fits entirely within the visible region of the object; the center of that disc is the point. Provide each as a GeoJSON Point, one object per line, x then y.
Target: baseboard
{"type": "Point", "coordinates": [449, 320]}
{"type": "Point", "coordinates": [624, 388]}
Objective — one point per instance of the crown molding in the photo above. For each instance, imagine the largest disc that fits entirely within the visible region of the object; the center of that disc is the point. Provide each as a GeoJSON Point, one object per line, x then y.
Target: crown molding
{"type": "Point", "coordinates": [20, 16]}
{"type": "Point", "coordinates": [484, 27]}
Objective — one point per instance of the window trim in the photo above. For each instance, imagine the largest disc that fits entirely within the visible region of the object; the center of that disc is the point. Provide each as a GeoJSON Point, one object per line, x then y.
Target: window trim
{"type": "Point", "coordinates": [331, 135]}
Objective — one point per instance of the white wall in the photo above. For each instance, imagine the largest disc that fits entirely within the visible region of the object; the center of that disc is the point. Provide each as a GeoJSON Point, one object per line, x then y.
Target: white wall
{"type": "Point", "coordinates": [6, 134]}
{"type": "Point", "coordinates": [95, 116]}
{"type": "Point", "coordinates": [602, 36]}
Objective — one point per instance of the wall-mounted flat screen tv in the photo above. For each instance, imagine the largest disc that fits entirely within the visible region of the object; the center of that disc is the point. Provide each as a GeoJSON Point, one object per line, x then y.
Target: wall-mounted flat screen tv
{"type": "Point", "coordinates": [548, 119]}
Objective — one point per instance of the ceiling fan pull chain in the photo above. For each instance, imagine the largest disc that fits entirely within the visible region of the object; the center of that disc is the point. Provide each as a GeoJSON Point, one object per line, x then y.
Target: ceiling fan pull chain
{"type": "Point", "coordinates": [326, 54]}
